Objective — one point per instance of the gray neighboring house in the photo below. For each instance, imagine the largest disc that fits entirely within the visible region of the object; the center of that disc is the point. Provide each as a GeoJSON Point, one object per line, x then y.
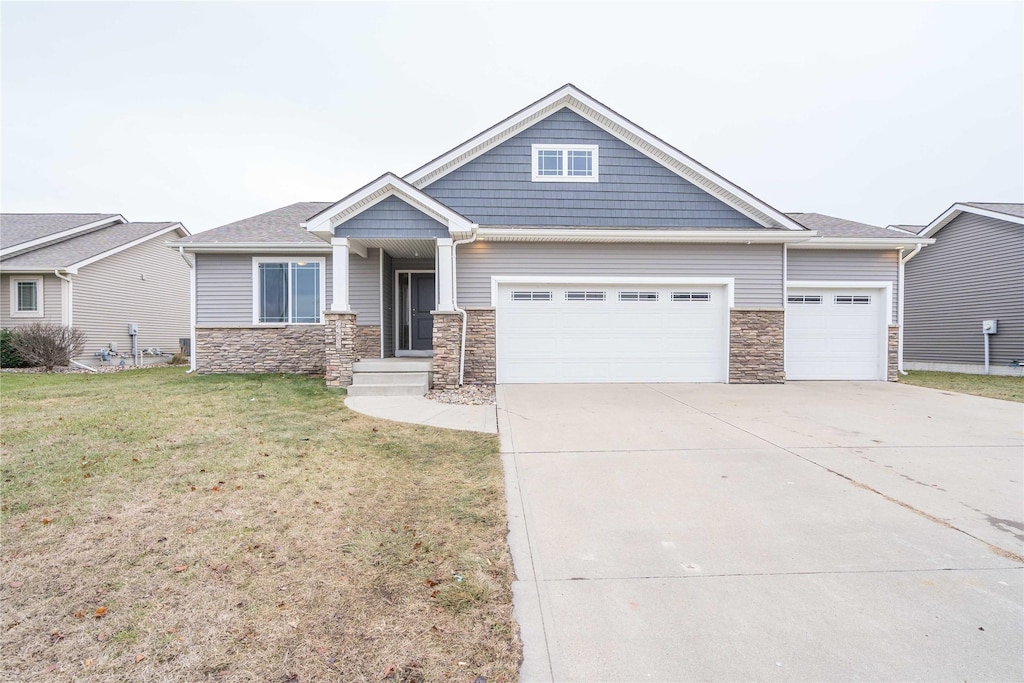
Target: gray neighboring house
{"type": "Point", "coordinates": [973, 272]}
{"type": "Point", "coordinates": [563, 244]}
{"type": "Point", "coordinates": [96, 272]}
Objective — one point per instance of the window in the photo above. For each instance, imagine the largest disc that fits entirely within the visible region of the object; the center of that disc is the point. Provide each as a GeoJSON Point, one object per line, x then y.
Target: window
{"type": "Point", "coordinates": [288, 292]}
{"type": "Point", "coordinates": [638, 296]}
{"type": "Point", "coordinates": [803, 299]}
{"type": "Point", "coordinates": [691, 296]}
{"type": "Point", "coordinates": [27, 297]}
{"type": "Point", "coordinates": [853, 299]}
{"type": "Point", "coordinates": [531, 296]}
{"type": "Point", "coordinates": [584, 296]}
{"type": "Point", "coordinates": [565, 163]}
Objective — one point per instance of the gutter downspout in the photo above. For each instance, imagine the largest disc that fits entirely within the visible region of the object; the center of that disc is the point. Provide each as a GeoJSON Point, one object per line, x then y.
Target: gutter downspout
{"type": "Point", "coordinates": [192, 310]}
{"type": "Point", "coordinates": [455, 302]}
{"type": "Point", "coordinates": [903, 261]}
{"type": "Point", "coordinates": [70, 309]}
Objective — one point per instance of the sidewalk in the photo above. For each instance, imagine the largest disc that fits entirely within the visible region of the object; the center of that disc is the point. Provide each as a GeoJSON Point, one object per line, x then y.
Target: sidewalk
{"type": "Point", "coordinates": [419, 410]}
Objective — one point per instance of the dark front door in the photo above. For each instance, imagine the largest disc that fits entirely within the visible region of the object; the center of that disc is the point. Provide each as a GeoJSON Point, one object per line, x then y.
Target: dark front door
{"type": "Point", "coordinates": [422, 304]}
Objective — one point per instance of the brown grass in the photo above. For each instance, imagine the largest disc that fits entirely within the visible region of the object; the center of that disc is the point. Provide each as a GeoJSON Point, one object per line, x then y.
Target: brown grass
{"type": "Point", "coordinates": [991, 386]}
{"type": "Point", "coordinates": [162, 527]}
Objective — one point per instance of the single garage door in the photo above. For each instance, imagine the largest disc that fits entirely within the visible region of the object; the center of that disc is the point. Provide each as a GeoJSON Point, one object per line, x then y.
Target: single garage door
{"type": "Point", "coordinates": [559, 333]}
{"type": "Point", "coordinates": [835, 334]}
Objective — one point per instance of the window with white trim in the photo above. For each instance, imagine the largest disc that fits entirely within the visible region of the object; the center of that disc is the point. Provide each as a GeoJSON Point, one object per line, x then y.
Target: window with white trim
{"type": "Point", "coordinates": [638, 296]}
{"type": "Point", "coordinates": [27, 297]}
{"type": "Point", "coordinates": [576, 295]}
{"type": "Point", "coordinates": [565, 163]}
{"type": "Point", "coordinates": [529, 295]}
{"type": "Point", "coordinates": [691, 296]}
{"type": "Point", "coordinates": [804, 299]}
{"type": "Point", "coordinates": [848, 299]}
{"type": "Point", "coordinates": [287, 291]}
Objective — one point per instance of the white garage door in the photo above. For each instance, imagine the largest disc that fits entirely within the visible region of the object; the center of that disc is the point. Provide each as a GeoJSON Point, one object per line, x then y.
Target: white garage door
{"type": "Point", "coordinates": [835, 334]}
{"type": "Point", "coordinates": [558, 333]}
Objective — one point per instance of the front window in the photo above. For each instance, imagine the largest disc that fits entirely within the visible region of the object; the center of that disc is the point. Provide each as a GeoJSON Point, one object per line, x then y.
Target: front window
{"type": "Point", "coordinates": [27, 297]}
{"type": "Point", "coordinates": [565, 163]}
{"type": "Point", "coordinates": [289, 292]}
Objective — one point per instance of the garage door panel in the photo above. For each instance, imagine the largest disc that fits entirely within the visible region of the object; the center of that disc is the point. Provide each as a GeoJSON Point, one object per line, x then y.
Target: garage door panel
{"type": "Point", "coordinates": [833, 339]}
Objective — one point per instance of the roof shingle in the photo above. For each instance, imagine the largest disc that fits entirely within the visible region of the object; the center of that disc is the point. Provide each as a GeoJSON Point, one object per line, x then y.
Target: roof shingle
{"type": "Point", "coordinates": [79, 248]}
{"type": "Point", "coordinates": [280, 226]}
{"type": "Point", "coordinates": [18, 228]}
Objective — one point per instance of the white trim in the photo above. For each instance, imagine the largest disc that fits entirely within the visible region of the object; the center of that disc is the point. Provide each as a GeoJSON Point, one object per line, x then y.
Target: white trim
{"type": "Point", "coordinates": [377, 191]}
{"type": "Point", "coordinates": [67, 292]}
{"type": "Point", "coordinates": [74, 267]}
{"type": "Point", "coordinates": [40, 283]}
{"type": "Point", "coordinates": [256, 260]}
{"type": "Point", "coordinates": [564, 176]}
{"type": "Point", "coordinates": [39, 241]}
{"type": "Point", "coordinates": [862, 243]}
{"type": "Point", "coordinates": [849, 284]}
{"type": "Point", "coordinates": [581, 103]}
{"type": "Point", "coordinates": [250, 247]}
{"type": "Point", "coordinates": [641, 235]}
{"type": "Point", "coordinates": [380, 285]}
{"type": "Point", "coordinates": [955, 210]}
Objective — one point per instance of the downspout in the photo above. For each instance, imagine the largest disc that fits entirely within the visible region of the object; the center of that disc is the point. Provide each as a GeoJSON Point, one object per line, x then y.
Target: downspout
{"type": "Point", "coordinates": [192, 311]}
{"type": "Point", "coordinates": [455, 303]}
{"type": "Point", "coordinates": [70, 320]}
{"type": "Point", "coordinates": [899, 315]}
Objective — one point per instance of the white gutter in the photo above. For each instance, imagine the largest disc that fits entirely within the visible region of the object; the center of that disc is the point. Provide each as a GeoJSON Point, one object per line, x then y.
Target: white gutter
{"type": "Point", "coordinates": [903, 260]}
{"type": "Point", "coordinates": [70, 309]}
{"type": "Point", "coordinates": [641, 235]}
{"type": "Point", "coordinates": [455, 302]}
{"type": "Point", "coordinates": [192, 310]}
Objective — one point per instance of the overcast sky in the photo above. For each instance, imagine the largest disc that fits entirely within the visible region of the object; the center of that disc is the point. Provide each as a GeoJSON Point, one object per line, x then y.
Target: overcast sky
{"type": "Point", "coordinates": [211, 112]}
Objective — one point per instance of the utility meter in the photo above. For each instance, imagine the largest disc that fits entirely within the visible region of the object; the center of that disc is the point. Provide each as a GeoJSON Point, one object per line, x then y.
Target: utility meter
{"type": "Point", "coordinates": [988, 326]}
{"type": "Point", "coordinates": [133, 328]}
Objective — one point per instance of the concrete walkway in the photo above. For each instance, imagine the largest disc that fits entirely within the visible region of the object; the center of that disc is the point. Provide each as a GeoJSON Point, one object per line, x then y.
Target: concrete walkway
{"type": "Point", "coordinates": [419, 410]}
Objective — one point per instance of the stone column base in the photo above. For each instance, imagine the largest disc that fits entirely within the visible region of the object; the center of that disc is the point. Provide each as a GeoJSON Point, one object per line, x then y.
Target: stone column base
{"type": "Point", "coordinates": [893, 362]}
{"type": "Point", "coordinates": [757, 346]}
{"type": "Point", "coordinates": [447, 347]}
{"type": "Point", "coordinates": [481, 362]}
{"type": "Point", "coordinates": [339, 338]}
{"type": "Point", "coordinates": [367, 341]}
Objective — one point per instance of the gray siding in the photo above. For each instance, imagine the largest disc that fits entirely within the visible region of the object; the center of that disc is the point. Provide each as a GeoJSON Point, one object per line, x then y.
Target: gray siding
{"type": "Point", "coordinates": [633, 189]}
{"type": "Point", "coordinates": [147, 284]}
{"type": "Point", "coordinates": [51, 300]}
{"type": "Point", "coordinates": [847, 264]}
{"type": "Point", "coordinates": [391, 217]}
{"type": "Point", "coordinates": [364, 287]}
{"type": "Point", "coordinates": [973, 272]}
{"type": "Point", "coordinates": [388, 289]}
{"type": "Point", "coordinates": [757, 268]}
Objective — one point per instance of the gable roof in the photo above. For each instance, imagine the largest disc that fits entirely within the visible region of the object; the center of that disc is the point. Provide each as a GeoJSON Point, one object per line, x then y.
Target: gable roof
{"type": "Point", "coordinates": [273, 228]}
{"type": "Point", "coordinates": [571, 97]}
{"type": "Point", "coordinates": [833, 232]}
{"type": "Point", "coordinates": [20, 231]}
{"type": "Point", "coordinates": [1013, 213]}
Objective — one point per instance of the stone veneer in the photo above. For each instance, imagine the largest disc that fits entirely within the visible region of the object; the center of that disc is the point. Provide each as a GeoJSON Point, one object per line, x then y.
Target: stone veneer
{"type": "Point", "coordinates": [757, 346]}
{"type": "Point", "coordinates": [447, 345]}
{"type": "Point", "coordinates": [284, 348]}
{"type": "Point", "coordinates": [367, 342]}
{"type": "Point", "coordinates": [481, 365]}
{"type": "Point", "coordinates": [893, 365]}
{"type": "Point", "coordinates": [337, 336]}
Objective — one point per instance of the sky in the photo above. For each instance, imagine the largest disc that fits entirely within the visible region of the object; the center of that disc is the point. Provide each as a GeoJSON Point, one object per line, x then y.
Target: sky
{"type": "Point", "coordinates": [210, 112]}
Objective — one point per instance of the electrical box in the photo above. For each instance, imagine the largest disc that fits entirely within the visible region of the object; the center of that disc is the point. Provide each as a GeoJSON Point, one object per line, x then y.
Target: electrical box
{"type": "Point", "coordinates": [133, 329]}
{"type": "Point", "coordinates": [989, 326]}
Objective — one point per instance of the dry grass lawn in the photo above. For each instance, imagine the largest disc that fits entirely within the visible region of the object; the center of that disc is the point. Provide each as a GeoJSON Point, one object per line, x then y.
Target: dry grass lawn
{"type": "Point", "coordinates": [161, 527]}
{"type": "Point", "coordinates": [992, 386]}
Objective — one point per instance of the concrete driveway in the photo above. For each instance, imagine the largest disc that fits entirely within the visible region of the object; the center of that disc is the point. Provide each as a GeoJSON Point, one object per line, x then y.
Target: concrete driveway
{"type": "Point", "coordinates": [807, 531]}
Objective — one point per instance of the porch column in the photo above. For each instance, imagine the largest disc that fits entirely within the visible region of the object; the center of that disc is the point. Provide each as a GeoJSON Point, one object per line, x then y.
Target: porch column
{"type": "Point", "coordinates": [339, 285]}
{"type": "Point", "coordinates": [445, 276]}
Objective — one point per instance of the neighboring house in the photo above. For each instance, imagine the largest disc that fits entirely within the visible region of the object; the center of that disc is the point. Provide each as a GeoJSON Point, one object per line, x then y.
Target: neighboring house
{"type": "Point", "coordinates": [974, 272]}
{"type": "Point", "coordinates": [96, 272]}
{"type": "Point", "coordinates": [579, 248]}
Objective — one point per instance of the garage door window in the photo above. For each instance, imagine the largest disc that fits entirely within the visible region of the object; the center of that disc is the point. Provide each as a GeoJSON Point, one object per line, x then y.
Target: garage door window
{"type": "Point", "coordinates": [638, 296]}
{"type": "Point", "coordinates": [845, 299]}
{"type": "Point", "coordinates": [522, 295]}
{"type": "Point", "coordinates": [804, 299]}
{"type": "Point", "coordinates": [584, 296]}
{"type": "Point", "coordinates": [691, 296]}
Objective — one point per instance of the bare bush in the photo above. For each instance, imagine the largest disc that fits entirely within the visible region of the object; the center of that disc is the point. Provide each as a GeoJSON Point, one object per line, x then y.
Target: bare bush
{"type": "Point", "coordinates": [48, 345]}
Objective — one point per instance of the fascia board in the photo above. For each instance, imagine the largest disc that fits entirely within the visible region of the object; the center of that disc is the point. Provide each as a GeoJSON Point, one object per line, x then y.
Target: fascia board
{"type": "Point", "coordinates": [862, 243]}
{"type": "Point", "coordinates": [254, 247]}
{"type": "Point", "coordinates": [606, 235]}
{"type": "Point", "coordinates": [955, 210]}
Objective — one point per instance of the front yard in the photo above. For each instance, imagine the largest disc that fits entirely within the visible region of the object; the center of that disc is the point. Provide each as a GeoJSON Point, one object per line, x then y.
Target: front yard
{"type": "Point", "coordinates": [158, 526]}
{"type": "Point", "coordinates": [992, 386]}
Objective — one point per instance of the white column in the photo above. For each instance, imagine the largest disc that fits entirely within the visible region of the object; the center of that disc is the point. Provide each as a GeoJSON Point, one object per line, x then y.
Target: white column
{"type": "Point", "coordinates": [339, 284]}
{"type": "Point", "coordinates": [445, 275]}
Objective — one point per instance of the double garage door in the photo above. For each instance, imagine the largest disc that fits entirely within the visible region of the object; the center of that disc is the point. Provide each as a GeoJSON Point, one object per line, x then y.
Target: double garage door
{"type": "Point", "coordinates": [579, 333]}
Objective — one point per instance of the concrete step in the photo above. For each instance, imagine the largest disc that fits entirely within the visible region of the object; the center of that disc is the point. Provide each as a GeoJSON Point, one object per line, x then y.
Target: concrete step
{"type": "Point", "coordinates": [393, 365]}
{"type": "Point", "coordinates": [364, 377]}
{"type": "Point", "coordinates": [410, 389]}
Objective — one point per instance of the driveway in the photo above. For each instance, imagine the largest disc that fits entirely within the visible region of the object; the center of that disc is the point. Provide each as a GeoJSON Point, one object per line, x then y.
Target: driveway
{"type": "Point", "coordinates": [806, 531]}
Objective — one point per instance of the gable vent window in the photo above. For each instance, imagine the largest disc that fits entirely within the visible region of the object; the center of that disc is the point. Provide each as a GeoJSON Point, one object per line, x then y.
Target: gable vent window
{"type": "Point", "coordinates": [638, 296]}
{"type": "Point", "coordinates": [531, 296]}
{"type": "Point", "coordinates": [584, 296]}
{"type": "Point", "coordinates": [803, 299]}
{"type": "Point", "coordinates": [565, 163]}
{"type": "Point", "coordinates": [853, 299]}
{"type": "Point", "coordinates": [691, 296]}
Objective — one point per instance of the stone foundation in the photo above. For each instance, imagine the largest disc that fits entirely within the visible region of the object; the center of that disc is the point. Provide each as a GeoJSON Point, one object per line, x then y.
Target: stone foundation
{"type": "Point", "coordinates": [285, 348]}
{"type": "Point", "coordinates": [367, 342]}
{"type": "Point", "coordinates": [447, 346]}
{"type": "Point", "coordinates": [481, 367]}
{"type": "Point", "coordinates": [337, 336]}
{"type": "Point", "coordinates": [757, 346]}
{"type": "Point", "coordinates": [893, 365]}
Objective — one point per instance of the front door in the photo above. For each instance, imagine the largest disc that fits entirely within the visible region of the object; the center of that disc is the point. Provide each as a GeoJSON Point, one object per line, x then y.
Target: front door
{"type": "Point", "coordinates": [422, 296]}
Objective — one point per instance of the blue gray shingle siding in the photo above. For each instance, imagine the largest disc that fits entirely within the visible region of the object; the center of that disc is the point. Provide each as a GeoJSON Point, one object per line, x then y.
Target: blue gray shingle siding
{"type": "Point", "coordinates": [633, 189]}
{"type": "Point", "coordinates": [391, 217]}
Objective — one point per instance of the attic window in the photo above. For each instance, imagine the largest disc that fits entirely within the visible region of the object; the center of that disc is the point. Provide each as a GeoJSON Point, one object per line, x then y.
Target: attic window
{"type": "Point", "coordinates": [565, 163]}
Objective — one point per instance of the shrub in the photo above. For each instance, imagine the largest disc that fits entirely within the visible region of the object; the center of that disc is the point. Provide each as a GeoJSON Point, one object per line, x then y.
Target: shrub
{"type": "Point", "coordinates": [9, 358]}
{"type": "Point", "coordinates": [47, 345]}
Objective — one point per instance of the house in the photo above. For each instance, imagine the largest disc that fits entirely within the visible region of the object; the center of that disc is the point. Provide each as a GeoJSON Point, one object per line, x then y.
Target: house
{"type": "Point", "coordinates": [974, 272]}
{"type": "Point", "coordinates": [99, 273]}
{"type": "Point", "coordinates": [563, 244]}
